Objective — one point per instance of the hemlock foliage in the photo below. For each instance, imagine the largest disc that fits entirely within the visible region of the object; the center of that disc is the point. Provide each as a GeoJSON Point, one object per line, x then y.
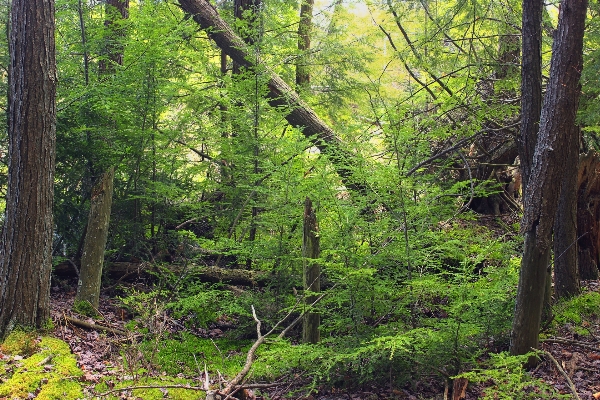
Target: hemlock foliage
{"type": "Point", "coordinates": [420, 268]}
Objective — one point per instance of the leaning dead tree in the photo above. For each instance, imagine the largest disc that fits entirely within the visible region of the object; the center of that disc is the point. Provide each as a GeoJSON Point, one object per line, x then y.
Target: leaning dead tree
{"type": "Point", "coordinates": [281, 95]}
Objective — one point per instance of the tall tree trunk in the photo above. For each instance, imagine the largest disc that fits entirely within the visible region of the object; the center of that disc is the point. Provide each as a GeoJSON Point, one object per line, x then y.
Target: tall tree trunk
{"type": "Point", "coordinates": [304, 28]}
{"type": "Point", "coordinates": [247, 11]}
{"type": "Point", "coordinates": [26, 248]}
{"type": "Point", "coordinates": [312, 273]}
{"type": "Point", "coordinates": [115, 10]}
{"type": "Point", "coordinates": [566, 272]}
{"type": "Point", "coordinates": [531, 86]}
{"type": "Point", "coordinates": [557, 125]}
{"type": "Point", "coordinates": [300, 114]}
{"type": "Point", "coordinates": [92, 260]}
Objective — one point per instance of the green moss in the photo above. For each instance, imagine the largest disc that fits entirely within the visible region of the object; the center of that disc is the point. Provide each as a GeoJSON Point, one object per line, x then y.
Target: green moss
{"type": "Point", "coordinates": [152, 394]}
{"type": "Point", "coordinates": [187, 353]}
{"type": "Point", "coordinates": [577, 309]}
{"type": "Point", "coordinates": [85, 308]}
{"type": "Point", "coordinates": [51, 372]}
{"type": "Point", "coordinates": [21, 343]}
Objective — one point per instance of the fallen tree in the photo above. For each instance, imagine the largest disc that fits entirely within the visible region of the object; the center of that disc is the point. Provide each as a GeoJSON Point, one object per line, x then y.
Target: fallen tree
{"type": "Point", "coordinates": [299, 114]}
{"type": "Point", "coordinates": [124, 271]}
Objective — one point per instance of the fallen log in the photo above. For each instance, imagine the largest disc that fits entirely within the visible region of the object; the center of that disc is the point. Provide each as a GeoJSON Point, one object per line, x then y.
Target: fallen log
{"type": "Point", "coordinates": [299, 114]}
{"type": "Point", "coordinates": [94, 326]}
{"type": "Point", "coordinates": [130, 270]}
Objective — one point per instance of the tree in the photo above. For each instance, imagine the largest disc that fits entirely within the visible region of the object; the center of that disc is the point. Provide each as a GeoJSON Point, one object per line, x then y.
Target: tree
{"type": "Point", "coordinates": [304, 27]}
{"type": "Point", "coordinates": [312, 273]}
{"type": "Point", "coordinates": [280, 94]}
{"type": "Point", "coordinates": [557, 130]}
{"type": "Point", "coordinates": [92, 259]}
{"type": "Point", "coordinates": [26, 249]}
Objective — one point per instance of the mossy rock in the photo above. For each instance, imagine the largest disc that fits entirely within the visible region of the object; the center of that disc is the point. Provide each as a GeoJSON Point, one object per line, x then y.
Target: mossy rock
{"type": "Point", "coordinates": [49, 373]}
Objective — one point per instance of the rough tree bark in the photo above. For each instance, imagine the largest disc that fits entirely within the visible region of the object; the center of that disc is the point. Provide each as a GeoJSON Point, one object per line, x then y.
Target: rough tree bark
{"type": "Point", "coordinates": [299, 114]}
{"type": "Point", "coordinates": [312, 273]}
{"type": "Point", "coordinates": [588, 215]}
{"type": "Point", "coordinates": [531, 107]}
{"type": "Point", "coordinates": [92, 260]}
{"type": "Point", "coordinates": [566, 273]}
{"type": "Point", "coordinates": [531, 86]}
{"type": "Point", "coordinates": [304, 28]}
{"type": "Point", "coordinates": [543, 190]}
{"type": "Point", "coordinates": [247, 11]}
{"type": "Point", "coordinates": [25, 251]}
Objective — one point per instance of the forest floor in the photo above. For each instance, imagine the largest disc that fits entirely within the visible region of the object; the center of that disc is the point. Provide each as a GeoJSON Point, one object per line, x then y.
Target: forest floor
{"type": "Point", "coordinates": [571, 361]}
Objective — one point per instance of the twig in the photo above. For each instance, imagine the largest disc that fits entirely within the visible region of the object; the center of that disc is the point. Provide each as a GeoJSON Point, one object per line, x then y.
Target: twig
{"type": "Point", "coordinates": [74, 266]}
{"type": "Point", "coordinates": [562, 371]}
{"type": "Point", "coordinates": [94, 326]}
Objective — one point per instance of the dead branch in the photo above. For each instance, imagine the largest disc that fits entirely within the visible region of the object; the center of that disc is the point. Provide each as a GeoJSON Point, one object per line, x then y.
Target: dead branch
{"type": "Point", "coordinates": [93, 326]}
{"type": "Point", "coordinates": [571, 342]}
{"type": "Point", "coordinates": [562, 371]}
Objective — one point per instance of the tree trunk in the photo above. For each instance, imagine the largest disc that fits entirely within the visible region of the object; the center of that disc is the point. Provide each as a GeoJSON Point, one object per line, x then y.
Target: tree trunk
{"type": "Point", "coordinates": [304, 28]}
{"type": "Point", "coordinates": [92, 260]}
{"type": "Point", "coordinates": [588, 215]}
{"type": "Point", "coordinates": [299, 114]}
{"type": "Point", "coordinates": [26, 249]}
{"type": "Point", "coordinates": [557, 125]}
{"type": "Point", "coordinates": [566, 273]}
{"type": "Point", "coordinates": [88, 287]}
{"type": "Point", "coordinates": [247, 11]}
{"type": "Point", "coordinates": [531, 85]}
{"type": "Point", "coordinates": [113, 48]}
{"type": "Point", "coordinates": [312, 273]}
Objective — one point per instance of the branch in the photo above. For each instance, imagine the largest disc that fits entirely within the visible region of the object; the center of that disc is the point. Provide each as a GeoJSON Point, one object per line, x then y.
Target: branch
{"type": "Point", "coordinates": [458, 145]}
{"type": "Point", "coordinates": [562, 371]}
{"type": "Point", "coordinates": [414, 50]}
{"type": "Point", "coordinates": [410, 72]}
{"type": "Point", "coordinates": [97, 327]}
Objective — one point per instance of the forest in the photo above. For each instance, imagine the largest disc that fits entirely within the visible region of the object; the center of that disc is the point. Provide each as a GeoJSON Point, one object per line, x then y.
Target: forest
{"type": "Point", "coordinates": [303, 199]}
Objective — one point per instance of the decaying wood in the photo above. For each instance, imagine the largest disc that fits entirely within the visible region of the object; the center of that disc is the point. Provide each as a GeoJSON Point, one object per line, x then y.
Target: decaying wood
{"type": "Point", "coordinates": [281, 95]}
{"type": "Point", "coordinates": [562, 371]}
{"type": "Point", "coordinates": [588, 215]}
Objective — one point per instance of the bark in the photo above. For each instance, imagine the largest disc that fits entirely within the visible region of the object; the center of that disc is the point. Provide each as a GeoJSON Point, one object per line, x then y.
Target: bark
{"type": "Point", "coordinates": [566, 273]}
{"type": "Point", "coordinates": [247, 11]}
{"type": "Point", "coordinates": [299, 114]}
{"type": "Point", "coordinates": [588, 215]}
{"type": "Point", "coordinates": [25, 251]}
{"type": "Point", "coordinates": [304, 28]}
{"type": "Point", "coordinates": [557, 125]}
{"type": "Point", "coordinates": [312, 273]}
{"type": "Point", "coordinates": [90, 275]}
{"type": "Point", "coordinates": [531, 85]}
{"type": "Point", "coordinates": [113, 48]}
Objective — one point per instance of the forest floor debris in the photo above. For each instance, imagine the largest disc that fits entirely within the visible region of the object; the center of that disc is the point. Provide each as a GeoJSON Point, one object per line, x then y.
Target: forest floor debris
{"type": "Point", "coordinates": [106, 360]}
